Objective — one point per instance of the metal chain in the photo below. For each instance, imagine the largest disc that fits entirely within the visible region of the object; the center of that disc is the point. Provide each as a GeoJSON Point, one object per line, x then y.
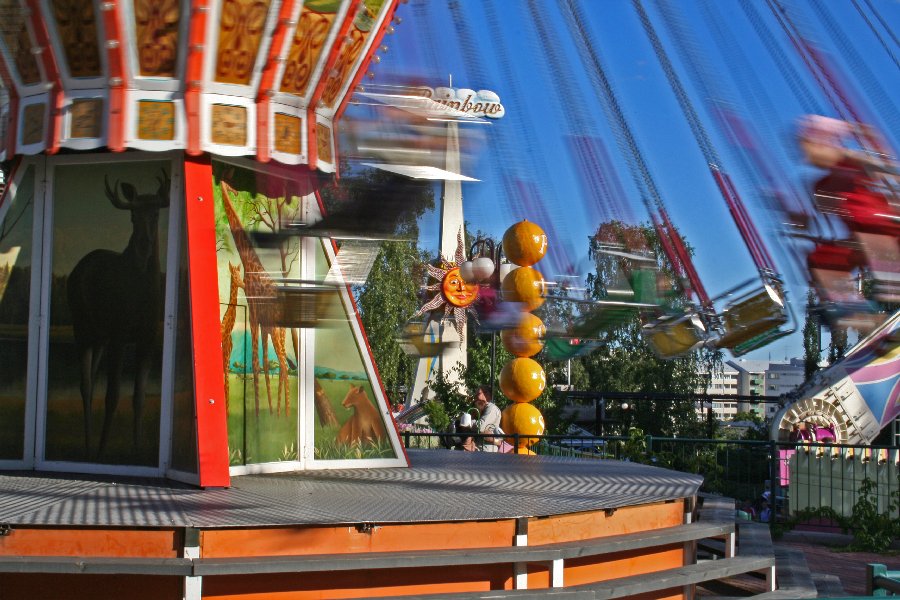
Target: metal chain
{"type": "Point", "coordinates": [875, 31]}
{"type": "Point", "coordinates": [800, 90]}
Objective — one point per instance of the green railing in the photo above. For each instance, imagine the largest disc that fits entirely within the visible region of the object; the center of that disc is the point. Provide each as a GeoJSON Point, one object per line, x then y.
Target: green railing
{"type": "Point", "coordinates": [798, 476]}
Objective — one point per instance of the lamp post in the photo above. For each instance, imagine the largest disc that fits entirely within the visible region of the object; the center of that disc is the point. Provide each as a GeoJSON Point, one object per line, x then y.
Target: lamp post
{"type": "Point", "coordinates": [485, 268]}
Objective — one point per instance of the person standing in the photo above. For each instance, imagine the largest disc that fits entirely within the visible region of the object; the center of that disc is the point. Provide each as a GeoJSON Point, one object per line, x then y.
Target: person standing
{"type": "Point", "coordinates": [489, 422]}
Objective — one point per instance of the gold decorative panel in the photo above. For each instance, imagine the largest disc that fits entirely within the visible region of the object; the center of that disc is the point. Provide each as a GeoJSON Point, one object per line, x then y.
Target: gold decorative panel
{"type": "Point", "coordinates": [86, 118]}
{"type": "Point", "coordinates": [306, 47]}
{"type": "Point", "coordinates": [33, 124]}
{"type": "Point", "coordinates": [323, 143]}
{"type": "Point", "coordinates": [77, 26]}
{"type": "Point", "coordinates": [229, 125]}
{"type": "Point", "coordinates": [240, 32]}
{"type": "Point", "coordinates": [156, 30]}
{"type": "Point", "coordinates": [363, 26]}
{"type": "Point", "coordinates": [15, 36]}
{"type": "Point", "coordinates": [287, 133]}
{"type": "Point", "coordinates": [156, 120]}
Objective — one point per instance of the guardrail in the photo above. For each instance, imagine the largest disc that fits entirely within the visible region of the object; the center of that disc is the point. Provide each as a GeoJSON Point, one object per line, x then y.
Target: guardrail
{"type": "Point", "coordinates": [881, 582]}
{"type": "Point", "coordinates": [798, 475]}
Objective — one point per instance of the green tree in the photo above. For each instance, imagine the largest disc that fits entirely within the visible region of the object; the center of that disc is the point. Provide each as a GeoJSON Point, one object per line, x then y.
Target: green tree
{"type": "Point", "coordinates": [389, 296]}
{"type": "Point", "coordinates": [625, 362]}
{"type": "Point", "coordinates": [812, 344]}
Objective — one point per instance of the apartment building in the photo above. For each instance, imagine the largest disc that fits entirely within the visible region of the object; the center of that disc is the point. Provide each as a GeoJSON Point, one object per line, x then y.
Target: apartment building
{"type": "Point", "coordinates": [742, 377]}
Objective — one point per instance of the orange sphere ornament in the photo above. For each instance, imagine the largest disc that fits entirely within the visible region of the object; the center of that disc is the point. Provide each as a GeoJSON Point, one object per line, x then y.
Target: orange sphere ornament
{"type": "Point", "coordinates": [523, 419]}
{"type": "Point", "coordinates": [526, 338]}
{"type": "Point", "coordinates": [524, 243]}
{"type": "Point", "coordinates": [525, 285]}
{"type": "Point", "coordinates": [522, 380]}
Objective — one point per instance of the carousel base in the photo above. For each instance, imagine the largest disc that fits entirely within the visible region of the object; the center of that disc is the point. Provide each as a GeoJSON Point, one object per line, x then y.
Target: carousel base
{"type": "Point", "coordinates": [454, 522]}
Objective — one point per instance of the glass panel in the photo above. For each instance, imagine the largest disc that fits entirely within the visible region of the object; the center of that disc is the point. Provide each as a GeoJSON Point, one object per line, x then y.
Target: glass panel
{"type": "Point", "coordinates": [259, 351]}
{"type": "Point", "coordinates": [184, 423]}
{"type": "Point", "coordinates": [348, 423]}
{"type": "Point", "coordinates": [16, 221]}
{"type": "Point", "coordinates": [106, 305]}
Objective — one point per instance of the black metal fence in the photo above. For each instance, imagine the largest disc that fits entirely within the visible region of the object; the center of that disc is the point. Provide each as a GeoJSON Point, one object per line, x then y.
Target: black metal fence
{"type": "Point", "coordinates": [797, 476]}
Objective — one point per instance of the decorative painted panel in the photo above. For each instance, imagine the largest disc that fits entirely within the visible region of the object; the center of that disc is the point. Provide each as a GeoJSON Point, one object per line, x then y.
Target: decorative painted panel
{"type": "Point", "coordinates": [110, 225]}
{"type": "Point", "coordinates": [156, 25]}
{"type": "Point", "coordinates": [240, 33]}
{"type": "Point", "coordinates": [86, 118]}
{"type": "Point", "coordinates": [33, 124]}
{"type": "Point", "coordinates": [323, 143]}
{"type": "Point", "coordinates": [363, 26]}
{"type": "Point", "coordinates": [229, 125]}
{"type": "Point", "coordinates": [287, 133]}
{"type": "Point", "coordinates": [260, 354]}
{"type": "Point", "coordinates": [15, 35]}
{"type": "Point", "coordinates": [349, 419]}
{"type": "Point", "coordinates": [156, 120]}
{"type": "Point", "coordinates": [316, 21]}
{"type": "Point", "coordinates": [77, 27]}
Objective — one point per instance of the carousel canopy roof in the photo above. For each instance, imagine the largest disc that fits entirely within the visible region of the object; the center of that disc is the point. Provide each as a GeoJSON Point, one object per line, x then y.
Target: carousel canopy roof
{"type": "Point", "coordinates": [265, 78]}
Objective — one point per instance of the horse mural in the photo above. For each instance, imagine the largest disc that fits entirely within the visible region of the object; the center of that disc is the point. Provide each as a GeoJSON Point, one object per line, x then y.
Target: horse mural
{"type": "Point", "coordinates": [365, 424]}
{"type": "Point", "coordinates": [115, 300]}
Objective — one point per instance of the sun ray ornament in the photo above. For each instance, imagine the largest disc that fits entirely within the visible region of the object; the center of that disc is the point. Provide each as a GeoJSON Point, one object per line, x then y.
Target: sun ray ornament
{"type": "Point", "coordinates": [456, 295]}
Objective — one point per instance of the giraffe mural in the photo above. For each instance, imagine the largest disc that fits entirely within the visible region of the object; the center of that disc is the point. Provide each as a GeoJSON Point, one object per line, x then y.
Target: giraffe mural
{"type": "Point", "coordinates": [228, 323]}
{"type": "Point", "coordinates": [259, 289]}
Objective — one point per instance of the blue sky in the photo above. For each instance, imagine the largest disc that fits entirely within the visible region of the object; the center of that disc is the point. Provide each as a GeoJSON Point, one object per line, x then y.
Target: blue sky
{"type": "Point", "coordinates": [549, 95]}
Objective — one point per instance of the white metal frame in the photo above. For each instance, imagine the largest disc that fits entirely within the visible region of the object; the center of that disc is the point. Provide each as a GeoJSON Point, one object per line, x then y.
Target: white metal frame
{"type": "Point", "coordinates": [46, 237]}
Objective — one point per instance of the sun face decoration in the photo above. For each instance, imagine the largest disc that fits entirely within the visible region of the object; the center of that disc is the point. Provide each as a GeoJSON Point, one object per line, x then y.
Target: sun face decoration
{"type": "Point", "coordinates": [456, 295]}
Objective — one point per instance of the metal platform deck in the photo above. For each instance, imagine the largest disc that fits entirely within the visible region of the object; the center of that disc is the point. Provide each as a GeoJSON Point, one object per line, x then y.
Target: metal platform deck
{"type": "Point", "coordinates": [440, 486]}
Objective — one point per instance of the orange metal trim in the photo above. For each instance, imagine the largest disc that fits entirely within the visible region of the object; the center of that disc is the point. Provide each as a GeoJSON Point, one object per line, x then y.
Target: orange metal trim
{"type": "Point", "coordinates": [209, 374]}
{"type": "Point", "coordinates": [144, 543]}
{"type": "Point", "coordinates": [303, 540]}
{"type": "Point", "coordinates": [194, 76]}
{"type": "Point", "coordinates": [629, 519]}
{"type": "Point", "coordinates": [267, 81]}
{"type": "Point", "coordinates": [115, 58]}
{"type": "Point", "coordinates": [333, 54]}
{"type": "Point", "coordinates": [56, 95]}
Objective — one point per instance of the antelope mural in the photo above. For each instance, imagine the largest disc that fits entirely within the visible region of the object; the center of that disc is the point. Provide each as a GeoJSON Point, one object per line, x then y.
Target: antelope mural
{"type": "Point", "coordinates": [115, 300]}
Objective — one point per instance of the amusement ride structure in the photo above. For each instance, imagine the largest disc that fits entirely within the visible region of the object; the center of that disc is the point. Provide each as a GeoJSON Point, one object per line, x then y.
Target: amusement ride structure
{"type": "Point", "coordinates": [189, 407]}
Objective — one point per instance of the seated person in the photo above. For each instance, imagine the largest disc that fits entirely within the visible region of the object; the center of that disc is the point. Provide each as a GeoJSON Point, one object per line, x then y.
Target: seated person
{"type": "Point", "coordinates": [849, 192]}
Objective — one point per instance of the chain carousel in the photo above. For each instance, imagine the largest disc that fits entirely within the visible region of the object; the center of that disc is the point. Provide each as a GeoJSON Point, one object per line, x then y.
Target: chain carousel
{"type": "Point", "coordinates": [184, 410]}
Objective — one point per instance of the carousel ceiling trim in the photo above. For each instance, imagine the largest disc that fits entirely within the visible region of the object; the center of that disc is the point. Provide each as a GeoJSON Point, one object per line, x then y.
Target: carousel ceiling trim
{"type": "Point", "coordinates": [230, 37]}
{"type": "Point", "coordinates": [351, 73]}
{"type": "Point", "coordinates": [155, 51]}
{"type": "Point", "coordinates": [264, 117]}
{"type": "Point", "coordinates": [198, 75]}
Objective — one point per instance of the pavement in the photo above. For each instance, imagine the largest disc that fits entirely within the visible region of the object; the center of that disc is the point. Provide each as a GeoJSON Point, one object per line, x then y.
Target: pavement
{"type": "Point", "coordinates": [836, 572]}
{"type": "Point", "coordinates": [825, 555]}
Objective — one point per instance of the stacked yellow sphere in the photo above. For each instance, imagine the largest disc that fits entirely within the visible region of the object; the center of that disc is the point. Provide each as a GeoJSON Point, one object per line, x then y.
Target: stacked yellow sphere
{"type": "Point", "coordinates": [523, 379]}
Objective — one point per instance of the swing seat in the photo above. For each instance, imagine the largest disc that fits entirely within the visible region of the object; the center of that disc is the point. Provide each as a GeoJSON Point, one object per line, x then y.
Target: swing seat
{"type": "Point", "coordinates": [671, 337]}
{"type": "Point", "coordinates": [312, 306]}
{"type": "Point", "coordinates": [754, 318]}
